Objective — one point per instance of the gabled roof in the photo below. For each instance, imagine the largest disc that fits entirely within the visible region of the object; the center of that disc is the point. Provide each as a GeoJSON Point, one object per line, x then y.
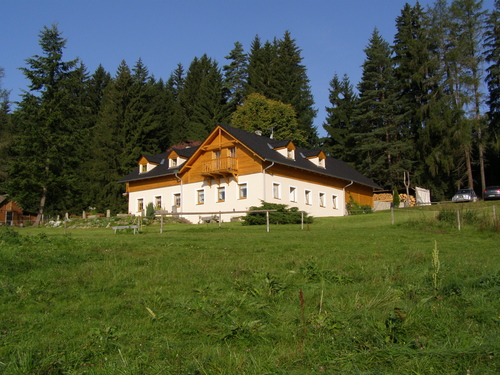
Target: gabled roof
{"type": "Point", "coordinates": [333, 167]}
{"type": "Point", "coordinates": [265, 148]}
{"type": "Point", "coordinates": [162, 169]}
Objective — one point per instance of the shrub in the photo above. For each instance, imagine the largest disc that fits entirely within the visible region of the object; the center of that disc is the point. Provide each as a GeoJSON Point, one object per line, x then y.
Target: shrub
{"type": "Point", "coordinates": [150, 211]}
{"type": "Point", "coordinates": [283, 215]}
{"type": "Point", "coordinates": [354, 208]}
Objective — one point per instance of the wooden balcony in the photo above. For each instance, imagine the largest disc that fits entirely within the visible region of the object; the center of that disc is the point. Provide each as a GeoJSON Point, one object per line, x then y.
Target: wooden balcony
{"type": "Point", "coordinates": [220, 168]}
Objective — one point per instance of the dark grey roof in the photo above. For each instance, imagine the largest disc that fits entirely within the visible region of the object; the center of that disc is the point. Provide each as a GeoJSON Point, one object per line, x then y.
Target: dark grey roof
{"type": "Point", "coordinates": [162, 168]}
{"type": "Point", "coordinates": [333, 167]}
{"type": "Point", "coordinates": [265, 148]}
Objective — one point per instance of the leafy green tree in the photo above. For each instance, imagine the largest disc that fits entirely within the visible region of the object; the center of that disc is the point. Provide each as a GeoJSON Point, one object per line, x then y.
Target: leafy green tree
{"type": "Point", "coordinates": [235, 75]}
{"type": "Point", "coordinates": [42, 175]}
{"type": "Point", "coordinates": [338, 123]}
{"type": "Point", "coordinates": [271, 117]}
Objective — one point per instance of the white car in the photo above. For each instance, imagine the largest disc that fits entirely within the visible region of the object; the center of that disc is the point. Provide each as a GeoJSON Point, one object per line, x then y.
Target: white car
{"type": "Point", "coordinates": [465, 195]}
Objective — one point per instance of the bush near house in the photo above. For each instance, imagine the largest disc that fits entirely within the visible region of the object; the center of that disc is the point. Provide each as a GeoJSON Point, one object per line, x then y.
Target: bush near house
{"type": "Point", "coordinates": [283, 215]}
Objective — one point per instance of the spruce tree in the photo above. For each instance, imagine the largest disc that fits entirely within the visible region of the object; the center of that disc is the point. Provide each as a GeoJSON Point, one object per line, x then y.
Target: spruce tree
{"type": "Point", "coordinates": [42, 175]}
{"type": "Point", "coordinates": [466, 35]}
{"type": "Point", "coordinates": [379, 146]}
{"type": "Point", "coordinates": [275, 70]}
{"type": "Point", "coordinates": [235, 75]}
{"type": "Point", "coordinates": [202, 98]}
{"type": "Point", "coordinates": [338, 123]}
{"type": "Point", "coordinates": [107, 162]}
{"type": "Point", "coordinates": [6, 131]}
{"type": "Point", "coordinates": [492, 56]}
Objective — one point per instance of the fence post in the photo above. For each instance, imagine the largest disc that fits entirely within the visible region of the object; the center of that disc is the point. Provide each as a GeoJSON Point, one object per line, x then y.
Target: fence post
{"type": "Point", "coordinates": [302, 220]}
{"type": "Point", "coordinates": [458, 219]}
{"type": "Point", "coordinates": [220, 218]}
{"type": "Point", "coordinates": [392, 215]}
{"type": "Point", "coordinates": [267, 221]}
{"type": "Point", "coordinates": [161, 224]}
{"type": "Point", "coordinates": [495, 215]}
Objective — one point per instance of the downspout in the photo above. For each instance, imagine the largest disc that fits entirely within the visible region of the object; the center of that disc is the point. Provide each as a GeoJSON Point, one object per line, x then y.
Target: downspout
{"type": "Point", "coordinates": [343, 190]}
{"type": "Point", "coordinates": [264, 171]}
{"type": "Point", "coordinates": [182, 194]}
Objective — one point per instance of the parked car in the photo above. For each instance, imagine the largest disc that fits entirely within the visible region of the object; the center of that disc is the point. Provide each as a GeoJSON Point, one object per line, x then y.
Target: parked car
{"type": "Point", "coordinates": [465, 195]}
{"type": "Point", "coordinates": [492, 192]}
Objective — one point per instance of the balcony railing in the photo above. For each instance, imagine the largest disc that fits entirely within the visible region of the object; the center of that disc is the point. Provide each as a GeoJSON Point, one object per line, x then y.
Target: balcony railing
{"type": "Point", "coordinates": [220, 165]}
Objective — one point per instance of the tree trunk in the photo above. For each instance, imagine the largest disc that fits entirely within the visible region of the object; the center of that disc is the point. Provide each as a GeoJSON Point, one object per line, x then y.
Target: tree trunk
{"type": "Point", "coordinates": [468, 164]}
{"type": "Point", "coordinates": [41, 207]}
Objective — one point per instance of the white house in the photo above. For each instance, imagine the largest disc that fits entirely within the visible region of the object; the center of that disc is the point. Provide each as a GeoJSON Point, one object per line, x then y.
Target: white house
{"type": "Point", "coordinates": [232, 170]}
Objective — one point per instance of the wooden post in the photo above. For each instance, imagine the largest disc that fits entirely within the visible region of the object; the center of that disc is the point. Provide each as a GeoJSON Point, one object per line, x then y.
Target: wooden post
{"type": "Point", "coordinates": [108, 213]}
{"type": "Point", "coordinates": [84, 215]}
{"type": "Point", "coordinates": [267, 221]}
{"type": "Point", "coordinates": [392, 215]}
{"type": "Point", "coordinates": [495, 215]}
{"type": "Point", "coordinates": [220, 218]}
{"type": "Point", "coordinates": [458, 219]}
{"type": "Point", "coordinates": [65, 226]}
{"type": "Point", "coordinates": [302, 220]}
{"type": "Point", "coordinates": [161, 224]}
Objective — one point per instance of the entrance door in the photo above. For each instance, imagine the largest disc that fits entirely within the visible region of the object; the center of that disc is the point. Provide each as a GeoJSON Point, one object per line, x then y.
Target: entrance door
{"type": "Point", "coordinates": [9, 218]}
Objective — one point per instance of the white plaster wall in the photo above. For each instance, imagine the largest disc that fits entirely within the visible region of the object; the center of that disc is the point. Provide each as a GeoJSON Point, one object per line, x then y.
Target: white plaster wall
{"type": "Point", "coordinates": [255, 194]}
{"type": "Point", "coordinates": [314, 208]}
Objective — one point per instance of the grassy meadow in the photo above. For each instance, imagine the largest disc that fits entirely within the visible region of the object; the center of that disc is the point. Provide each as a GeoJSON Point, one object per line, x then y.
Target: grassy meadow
{"type": "Point", "coordinates": [350, 295]}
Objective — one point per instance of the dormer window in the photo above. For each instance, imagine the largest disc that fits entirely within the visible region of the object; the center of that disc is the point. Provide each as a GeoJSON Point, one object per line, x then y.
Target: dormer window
{"type": "Point", "coordinates": [144, 168]}
{"type": "Point", "coordinates": [321, 163]}
{"type": "Point", "coordinates": [290, 153]}
{"type": "Point", "coordinates": [173, 163]}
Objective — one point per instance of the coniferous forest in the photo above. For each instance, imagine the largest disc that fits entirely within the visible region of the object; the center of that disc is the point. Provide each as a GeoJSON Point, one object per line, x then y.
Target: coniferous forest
{"type": "Point", "coordinates": [427, 104]}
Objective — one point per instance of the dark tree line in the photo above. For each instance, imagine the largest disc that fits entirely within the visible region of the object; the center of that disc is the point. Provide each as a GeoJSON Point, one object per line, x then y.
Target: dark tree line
{"type": "Point", "coordinates": [420, 107]}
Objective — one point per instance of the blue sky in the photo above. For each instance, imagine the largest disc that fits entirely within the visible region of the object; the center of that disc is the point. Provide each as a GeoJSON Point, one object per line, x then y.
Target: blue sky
{"type": "Point", "coordinates": [332, 34]}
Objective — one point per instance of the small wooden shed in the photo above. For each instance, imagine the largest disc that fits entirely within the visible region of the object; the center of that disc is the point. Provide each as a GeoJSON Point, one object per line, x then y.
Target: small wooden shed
{"type": "Point", "coordinates": [12, 214]}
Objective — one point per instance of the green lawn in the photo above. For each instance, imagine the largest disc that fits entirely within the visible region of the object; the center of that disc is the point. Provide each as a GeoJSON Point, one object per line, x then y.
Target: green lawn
{"type": "Point", "coordinates": [351, 295]}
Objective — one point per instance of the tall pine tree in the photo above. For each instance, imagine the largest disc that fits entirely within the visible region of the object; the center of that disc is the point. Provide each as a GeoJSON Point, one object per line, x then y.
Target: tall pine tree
{"type": "Point", "coordinates": [43, 176]}
{"type": "Point", "coordinates": [338, 123]}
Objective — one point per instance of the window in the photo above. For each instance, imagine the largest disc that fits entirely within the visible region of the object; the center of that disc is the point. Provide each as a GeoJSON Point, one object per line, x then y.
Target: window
{"type": "Point", "coordinates": [293, 194]}
{"type": "Point", "coordinates": [140, 205]}
{"type": "Point", "coordinates": [290, 153]}
{"type": "Point", "coordinates": [322, 199]}
{"type": "Point", "coordinates": [334, 201]}
{"type": "Point", "coordinates": [243, 191]}
{"type": "Point", "coordinates": [173, 162]}
{"type": "Point", "coordinates": [308, 197]}
{"type": "Point", "coordinates": [217, 154]}
{"type": "Point", "coordinates": [200, 196]}
{"type": "Point", "coordinates": [158, 202]}
{"type": "Point", "coordinates": [276, 191]}
{"type": "Point", "coordinates": [321, 163]}
{"type": "Point", "coordinates": [221, 194]}
{"type": "Point", "coordinates": [232, 152]}
{"type": "Point", "coordinates": [177, 199]}
{"type": "Point", "coordinates": [144, 168]}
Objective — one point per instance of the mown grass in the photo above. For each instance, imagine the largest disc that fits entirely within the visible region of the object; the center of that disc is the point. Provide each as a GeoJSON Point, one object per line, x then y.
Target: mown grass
{"type": "Point", "coordinates": [199, 299]}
